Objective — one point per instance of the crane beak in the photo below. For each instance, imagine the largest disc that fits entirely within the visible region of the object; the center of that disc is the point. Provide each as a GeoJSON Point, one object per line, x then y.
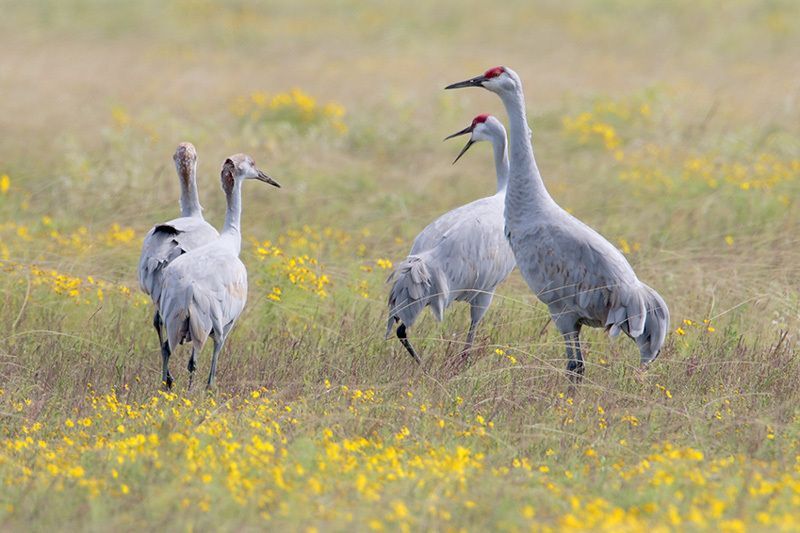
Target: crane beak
{"type": "Point", "coordinates": [266, 179]}
{"type": "Point", "coordinates": [464, 150]}
{"type": "Point", "coordinates": [466, 130]}
{"type": "Point", "coordinates": [477, 81]}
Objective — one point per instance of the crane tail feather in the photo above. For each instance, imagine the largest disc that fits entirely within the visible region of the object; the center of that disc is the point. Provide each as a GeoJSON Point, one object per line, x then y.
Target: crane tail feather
{"type": "Point", "coordinates": [416, 284]}
{"type": "Point", "coordinates": [656, 325]}
{"type": "Point", "coordinates": [644, 316]}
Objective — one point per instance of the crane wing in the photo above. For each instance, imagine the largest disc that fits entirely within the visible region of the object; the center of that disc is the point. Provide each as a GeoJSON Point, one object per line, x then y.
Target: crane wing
{"type": "Point", "coordinates": [165, 242]}
{"type": "Point", "coordinates": [474, 252]}
{"type": "Point", "coordinates": [576, 271]}
{"type": "Point", "coordinates": [436, 230]}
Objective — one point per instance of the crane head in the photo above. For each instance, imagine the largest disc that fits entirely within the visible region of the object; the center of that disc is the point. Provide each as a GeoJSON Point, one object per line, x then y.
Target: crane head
{"type": "Point", "coordinates": [496, 79]}
{"type": "Point", "coordinates": [484, 127]}
{"type": "Point", "coordinates": [185, 158]}
{"type": "Point", "coordinates": [242, 167]}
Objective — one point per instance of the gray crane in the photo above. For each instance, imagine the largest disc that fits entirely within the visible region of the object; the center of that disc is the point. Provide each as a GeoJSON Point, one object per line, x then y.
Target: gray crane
{"type": "Point", "coordinates": [204, 291]}
{"type": "Point", "coordinates": [461, 256]}
{"type": "Point", "coordinates": [164, 242]}
{"type": "Point", "coordinates": [583, 278]}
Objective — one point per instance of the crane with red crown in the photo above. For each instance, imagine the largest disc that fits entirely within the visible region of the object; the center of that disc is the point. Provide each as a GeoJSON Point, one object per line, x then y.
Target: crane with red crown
{"type": "Point", "coordinates": [460, 256]}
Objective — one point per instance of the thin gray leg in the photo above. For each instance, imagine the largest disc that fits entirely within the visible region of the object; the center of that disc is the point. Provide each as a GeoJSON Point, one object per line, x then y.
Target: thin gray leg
{"type": "Point", "coordinates": [219, 340]}
{"type": "Point", "coordinates": [192, 366]}
{"type": "Point", "coordinates": [575, 367]}
{"type": "Point", "coordinates": [570, 328]}
{"type": "Point", "coordinates": [157, 324]}
{"type": "Point", "coordinates": [477, 308]}
{"type": "Point", "coordinates": [166, 377]}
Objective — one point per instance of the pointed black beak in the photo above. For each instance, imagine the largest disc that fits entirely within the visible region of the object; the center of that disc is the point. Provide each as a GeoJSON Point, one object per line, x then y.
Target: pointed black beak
{"type": "Point", "coordinates": [466, 130]}
{"type": "Point", "coordinates": [472, 82]}
{"type": "Point", "coordinates": [266, 179]}
{"type": "Point", "coordinates": [464, 150]}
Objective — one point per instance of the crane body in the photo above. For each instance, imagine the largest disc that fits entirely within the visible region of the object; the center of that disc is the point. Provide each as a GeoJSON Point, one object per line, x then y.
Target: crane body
{"type": "Point", "coordinates": [582, 278]}
{"type": "Point", "coordinates": [167, 241]}
{"type": "Point", "coordinates": [461, 256]}
{"type": "Point", "coordinates": [205, 290]}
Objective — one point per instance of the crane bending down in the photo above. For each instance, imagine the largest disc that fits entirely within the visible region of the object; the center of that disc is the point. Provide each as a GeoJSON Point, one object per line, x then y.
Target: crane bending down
{"type": "Point", "coordinates": [583, 279]}
{"type": "Point", "coordinates": [462, 255]}
{"type": "Point", "coordinates": [204, 291]}
{"type": "Point", "coordinates": [164, 242]}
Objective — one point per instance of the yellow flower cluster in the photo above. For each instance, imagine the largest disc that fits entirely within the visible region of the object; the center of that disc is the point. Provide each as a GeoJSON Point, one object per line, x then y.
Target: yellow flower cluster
{"type": "Point", "coordinates": [301, 270]}
{"type": "Point", "coordinates": [587, 127]}
{"type": "Point", "coordinates": [626, 247]}
{"type": "Point", "coordinates": [653, 168]}
{"type": "Point", "coordinates": [295, 256]}
{"type": "Point", "coordinates": [705, 326]}
{"type": "Point", "coordinates": [81, 290]}
{"type": "Point", "coordinates": [295, 107]}
{"type": "Point", "coordinates": [600, 126]}
{"type": "Point", "coordinates": [260, 458]}
{"type": "Point", "coordinates": [241, 448]}
{"type": "Point", "coordinates": [661, 167]}
{"type": "Point", "coordinates": [761, 171]}
{"type": "Point", "coordinates": [119, 235]}
{"type": "Point", "coordinates": [79, 240]}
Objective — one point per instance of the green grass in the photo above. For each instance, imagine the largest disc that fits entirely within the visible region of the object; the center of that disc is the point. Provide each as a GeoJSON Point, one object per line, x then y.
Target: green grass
{"type": "Point", "coordinates": [672, 128]}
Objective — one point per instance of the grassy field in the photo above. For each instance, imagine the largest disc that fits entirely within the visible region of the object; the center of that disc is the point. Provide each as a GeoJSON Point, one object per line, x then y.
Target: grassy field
{"type": "Point", "coordinates": [671, 127]}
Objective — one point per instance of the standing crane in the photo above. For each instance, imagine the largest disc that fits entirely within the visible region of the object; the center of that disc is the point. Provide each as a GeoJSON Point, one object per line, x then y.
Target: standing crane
{"type": "Point", "coordinates": [164, 242]}
{"type": "Point", "coordinates": [462, 255]}
{"type": "Point", "coordinates": [204, 291]}
{"type": "Point", "coordinates": [583, 278]}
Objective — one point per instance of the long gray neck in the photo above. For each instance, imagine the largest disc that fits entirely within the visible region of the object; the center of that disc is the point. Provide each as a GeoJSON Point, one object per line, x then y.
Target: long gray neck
{"type": "Point", "coordinates": [499, 144]}
{"type": "Point", "coordinates": [526, 195]}
{"type": "Point", "coordinates": [232, 230]}
{"type": "Point", "coordinates": [190, 200]}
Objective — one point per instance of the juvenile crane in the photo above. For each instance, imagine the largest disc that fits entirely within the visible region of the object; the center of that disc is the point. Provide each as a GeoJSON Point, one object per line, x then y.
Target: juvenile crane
{"type": "Point", "coordinates": [204, 291]}
{"type": "Point", "coordinates": [164, 242]}
{"type": "Point", "coordinates": [583, 279]}
{"type": "Point", "coordinates": [462, 255]}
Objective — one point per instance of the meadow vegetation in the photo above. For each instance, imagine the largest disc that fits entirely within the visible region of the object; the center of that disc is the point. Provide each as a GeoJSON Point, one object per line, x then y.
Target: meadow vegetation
{"type": "Point", "coordinates": [673, 128]}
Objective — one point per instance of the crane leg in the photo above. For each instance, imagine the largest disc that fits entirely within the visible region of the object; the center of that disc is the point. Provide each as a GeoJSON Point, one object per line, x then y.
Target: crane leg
{"type": "Point", "coordinates": [570, 328]}
{"type": "Point", "coordinates": [401, 334]}
{"type": "Point", "coordinates": [157, 325]}
{"type": "Point", "coordinates": [575, 367]}
{"type": "Point", "coordinates": [219, 340]}
{"type": "Point", "coordinates": [191, 367]}
{"type": "Point", "coordinates": [473, 325]}
{"type": "Point", "coordinates": [477, 309]}
{"type": "Point", "coordinates": [166, 377]}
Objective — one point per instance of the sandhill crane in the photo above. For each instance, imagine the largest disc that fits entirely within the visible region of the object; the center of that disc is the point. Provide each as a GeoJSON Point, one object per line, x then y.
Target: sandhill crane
{"type": "Point", "coordinates": [462, 255]}
{"type": "Point", "coordinates": [164, 242]}
{"type": "Point", "coordinates": [583, 278]}
{"type": "Point", "coordinates": [204, 291]}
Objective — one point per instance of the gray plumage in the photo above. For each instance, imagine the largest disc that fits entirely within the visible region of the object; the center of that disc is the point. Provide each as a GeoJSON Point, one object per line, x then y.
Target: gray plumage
{"type": "Point", "coordinates": [165, 242]}
{"type": "Point", "coordinates": [461, 256]}
{"type": "Point", "coordinates": [205, 290]}
{"type": "Point", "coordinates": [583, 279]}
